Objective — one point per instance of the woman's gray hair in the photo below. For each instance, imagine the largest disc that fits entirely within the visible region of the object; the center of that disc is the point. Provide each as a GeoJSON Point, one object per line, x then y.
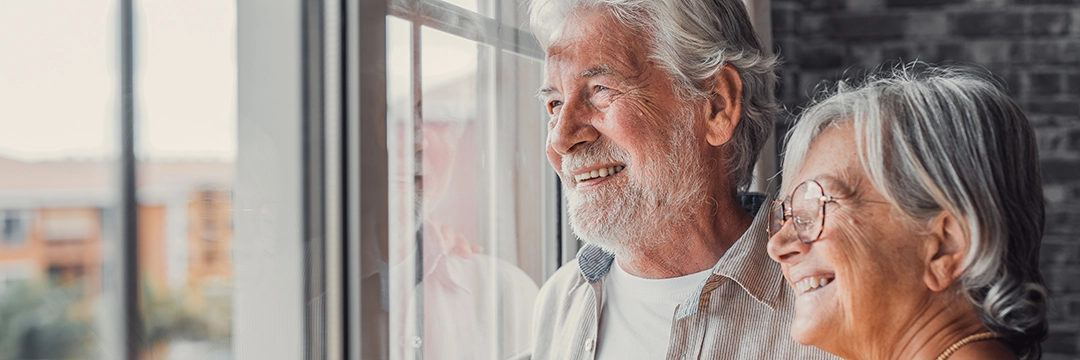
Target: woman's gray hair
{"type": "Point", "coordinates": [935, 139]}
{"type": "Point", "coordinates": [692, 40]}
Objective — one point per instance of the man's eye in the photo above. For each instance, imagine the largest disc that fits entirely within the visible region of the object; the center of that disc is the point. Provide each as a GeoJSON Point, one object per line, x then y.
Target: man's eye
{"type": "Point", "coordinates": [552, 105]}
{"type": "Point", "coordinates": [600, 88]}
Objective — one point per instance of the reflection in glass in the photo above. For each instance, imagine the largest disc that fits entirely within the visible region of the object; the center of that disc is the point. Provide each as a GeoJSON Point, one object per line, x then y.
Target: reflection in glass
{"type": "Point", "coordinates": [186, 148]}
{"type": "Point", "coordinates": [524, 136]}
{"type": "Point", "coordinates": [454, 295]}
{"type": "Point", "coordinates": [58, 101]}
{"type": "Point", "coordinates": [402, 182]}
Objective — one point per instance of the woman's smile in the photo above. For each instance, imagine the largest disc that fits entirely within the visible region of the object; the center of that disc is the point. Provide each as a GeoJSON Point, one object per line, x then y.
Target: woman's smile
{"type": "Point", "coordinates": [811, 283]}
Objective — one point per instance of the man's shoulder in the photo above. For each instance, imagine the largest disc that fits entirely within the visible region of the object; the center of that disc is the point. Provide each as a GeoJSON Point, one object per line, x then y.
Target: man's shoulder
{"type": "Point", "coordinates": [562, 307]}
{"type": "Point", "coordinates": [561, 282]}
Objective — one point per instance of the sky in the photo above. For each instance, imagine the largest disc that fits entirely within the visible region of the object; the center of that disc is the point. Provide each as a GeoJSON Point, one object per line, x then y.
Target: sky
{"type": "Point", "coordinates": [60, 74]}
{"type": "Point", "coordinates": [59, 79]}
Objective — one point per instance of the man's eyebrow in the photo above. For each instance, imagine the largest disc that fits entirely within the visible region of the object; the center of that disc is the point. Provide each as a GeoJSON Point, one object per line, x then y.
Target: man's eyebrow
{"type": "Point", "coordinates": [544, 92]}
{"type": "Point", "coordinates": [602, 69]}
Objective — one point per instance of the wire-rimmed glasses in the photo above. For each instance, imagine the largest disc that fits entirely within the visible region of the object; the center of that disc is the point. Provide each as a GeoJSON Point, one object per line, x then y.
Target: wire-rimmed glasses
{"type": "Point", "coordinates": [806, 207]}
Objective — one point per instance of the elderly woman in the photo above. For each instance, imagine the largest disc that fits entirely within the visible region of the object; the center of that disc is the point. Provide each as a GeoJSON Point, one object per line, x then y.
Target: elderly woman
{"type": "Point", "coordinates": [910, 221]}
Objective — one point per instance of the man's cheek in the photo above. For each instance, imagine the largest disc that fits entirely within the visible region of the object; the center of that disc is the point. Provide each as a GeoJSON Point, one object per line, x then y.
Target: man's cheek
{"type": "Point", "coordinates": [554, 159]}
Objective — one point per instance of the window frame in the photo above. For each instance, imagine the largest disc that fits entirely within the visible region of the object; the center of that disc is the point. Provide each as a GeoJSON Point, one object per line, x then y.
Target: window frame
{"type": "Point", "coordinates": [19, 221]}
{"type": "Point", "coordinates": [364, 109]}
{"type": "Point", "coordinates": [340, 77]}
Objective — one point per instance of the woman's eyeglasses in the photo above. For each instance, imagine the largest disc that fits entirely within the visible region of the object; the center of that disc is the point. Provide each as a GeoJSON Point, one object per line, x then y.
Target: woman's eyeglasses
{"type": "Point", "coordinates": [805, 207]}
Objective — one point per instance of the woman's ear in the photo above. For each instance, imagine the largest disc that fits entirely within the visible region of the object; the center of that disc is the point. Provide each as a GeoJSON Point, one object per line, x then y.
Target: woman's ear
{"type": "Point", "coordinates": [948, 245]}
{"type": "Point", "coordinates": [725, 106]}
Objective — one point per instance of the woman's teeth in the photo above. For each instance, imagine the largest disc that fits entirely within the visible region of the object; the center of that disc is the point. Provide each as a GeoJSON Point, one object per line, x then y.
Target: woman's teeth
{"type": "Point", "coordinates": [599, 173]}
{"type": "Point", "coordinates": [811, 283]}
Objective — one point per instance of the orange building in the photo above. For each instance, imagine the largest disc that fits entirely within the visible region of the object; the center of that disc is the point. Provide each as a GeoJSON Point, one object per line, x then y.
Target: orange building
{"type": "Point", "coordinates": [58, 220]}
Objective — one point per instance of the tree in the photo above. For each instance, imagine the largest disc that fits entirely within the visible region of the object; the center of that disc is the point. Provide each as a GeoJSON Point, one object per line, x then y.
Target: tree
{"type": "Point", "coordinates": [41, 321]}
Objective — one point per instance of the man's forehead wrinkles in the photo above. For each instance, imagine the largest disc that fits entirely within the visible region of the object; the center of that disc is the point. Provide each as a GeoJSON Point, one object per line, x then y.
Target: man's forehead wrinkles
{"type": "Point", "coordinates": [563, 43]}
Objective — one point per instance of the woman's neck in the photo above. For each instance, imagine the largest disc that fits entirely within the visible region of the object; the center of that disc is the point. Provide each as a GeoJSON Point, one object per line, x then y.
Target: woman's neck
{"type": "Point", "coordinates": [929, 333]}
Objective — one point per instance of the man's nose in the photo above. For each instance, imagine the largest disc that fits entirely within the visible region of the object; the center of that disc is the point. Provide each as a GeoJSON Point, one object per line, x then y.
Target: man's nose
{"type": "Point", "coordinates": [573, 128]}
{"type": "Point", "coordinates": [785, 246]}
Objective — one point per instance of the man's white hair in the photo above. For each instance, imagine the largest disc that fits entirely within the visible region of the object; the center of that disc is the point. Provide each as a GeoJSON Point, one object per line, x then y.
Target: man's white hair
{"type": "Point", "coordinates": [692, 40]}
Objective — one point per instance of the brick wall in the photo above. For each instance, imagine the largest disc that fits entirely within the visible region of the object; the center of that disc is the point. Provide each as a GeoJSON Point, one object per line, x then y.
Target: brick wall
{"type": "Point", "coordinates": [1033, 45]}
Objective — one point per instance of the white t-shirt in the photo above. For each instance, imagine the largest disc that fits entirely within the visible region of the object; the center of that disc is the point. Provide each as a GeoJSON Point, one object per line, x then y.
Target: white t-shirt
{"type": "Point", "coordinates": [635, 322]}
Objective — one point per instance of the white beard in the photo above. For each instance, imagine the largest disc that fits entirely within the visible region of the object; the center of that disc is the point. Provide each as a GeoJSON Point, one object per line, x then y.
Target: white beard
{"type": "Point", "coordinates": [655, 199]}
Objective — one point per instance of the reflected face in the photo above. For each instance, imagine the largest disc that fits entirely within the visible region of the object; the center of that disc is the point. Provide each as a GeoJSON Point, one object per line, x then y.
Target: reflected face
{"type": "Point", "coordinates": [866, 268]}
{"type": "Point", "coordinates": [433, 183]}
{"type": "Point", "coordinates": [436, 147]}
{"type": "Point", "coordinates": [628, 150]}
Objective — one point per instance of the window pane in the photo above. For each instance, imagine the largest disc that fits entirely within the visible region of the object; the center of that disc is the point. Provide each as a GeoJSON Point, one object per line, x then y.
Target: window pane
{"type": "Point", "coordinates": [403, 197]}
{"type": "Point", "coordinates": [472, 5]}
{"type": "Point", "coordinates": [186, 148]}
{"type": "Point", "coordinates": [457, 287]}
{"type": "Point", "coordinates": [515, 13]}
{"type": "Point", "coordinates": [524, 123]}
{"type": "Point", "coordinates": [15, 225]}
{"type": "Point", "coordinates": [58, 109]}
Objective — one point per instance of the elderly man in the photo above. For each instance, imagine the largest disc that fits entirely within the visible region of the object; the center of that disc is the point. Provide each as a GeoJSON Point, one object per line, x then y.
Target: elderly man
{"type": "Point", "coordinates": [658, 111]}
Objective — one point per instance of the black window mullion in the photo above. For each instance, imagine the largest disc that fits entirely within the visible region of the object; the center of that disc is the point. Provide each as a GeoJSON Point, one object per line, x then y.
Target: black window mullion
{"type": "Point", "coordinates": [129, 247]}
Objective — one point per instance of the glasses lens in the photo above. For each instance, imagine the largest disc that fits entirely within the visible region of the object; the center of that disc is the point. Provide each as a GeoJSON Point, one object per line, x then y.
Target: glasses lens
{"type": "Point", "coordinates": [806, 210]}
{"type": "Point", "coordinates": [776, 217]}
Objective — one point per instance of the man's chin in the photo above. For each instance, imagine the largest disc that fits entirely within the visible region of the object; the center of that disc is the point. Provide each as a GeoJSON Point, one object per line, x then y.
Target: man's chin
{"type": "Point", "coordinates": [614, 234]}
{"type": "Point", "coordinates": [603, 241]}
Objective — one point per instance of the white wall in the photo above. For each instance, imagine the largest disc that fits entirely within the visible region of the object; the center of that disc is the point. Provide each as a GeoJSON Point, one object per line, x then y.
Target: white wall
{"type": "Point", "coordinates": [268, 320]}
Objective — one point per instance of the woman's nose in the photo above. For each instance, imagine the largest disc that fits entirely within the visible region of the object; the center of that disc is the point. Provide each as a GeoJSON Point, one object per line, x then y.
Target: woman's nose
{"type": "Point", "coordinates": [785, 246]}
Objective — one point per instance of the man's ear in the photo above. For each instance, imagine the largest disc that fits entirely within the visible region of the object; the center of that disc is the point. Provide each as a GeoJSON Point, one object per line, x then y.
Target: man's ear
{"type": "Point", "coordinates": [948, 244]}
{"type": "Point", "coordinates": [725, 106]}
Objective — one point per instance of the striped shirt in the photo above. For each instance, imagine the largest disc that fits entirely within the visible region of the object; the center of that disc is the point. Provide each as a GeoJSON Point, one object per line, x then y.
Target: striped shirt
{"type": "Point", "coordinates": [742, 311]}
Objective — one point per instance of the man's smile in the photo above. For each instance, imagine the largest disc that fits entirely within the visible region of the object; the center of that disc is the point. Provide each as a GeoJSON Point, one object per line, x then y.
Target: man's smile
{"type": "Point", "coordinates": [596, 174]}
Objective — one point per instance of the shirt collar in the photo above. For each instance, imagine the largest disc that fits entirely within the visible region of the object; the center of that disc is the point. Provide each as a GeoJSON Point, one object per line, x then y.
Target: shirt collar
{"type": "Point", "coordinates": [594, 262]}
{"type": "Point", "coordinates": [745, 262]}
{"type": "Point", "coordinates": [748, 264]}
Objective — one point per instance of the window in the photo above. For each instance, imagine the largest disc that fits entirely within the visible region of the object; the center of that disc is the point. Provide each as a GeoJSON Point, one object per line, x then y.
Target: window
{"type": "Point", "coordinates": [77, 244]}
{"type": "Point", "coordinates": [469, 229]}
{"type": "Point", "coordinates": [185, 157]}
{"type": "Point", "coordinates": [273, 179]}
{"type": "Point", "coordinates": [14, 227]}
{"type": "Point", "coordinates": [69, 224]}
{"type": "Point", "coordinates": [58, 104]}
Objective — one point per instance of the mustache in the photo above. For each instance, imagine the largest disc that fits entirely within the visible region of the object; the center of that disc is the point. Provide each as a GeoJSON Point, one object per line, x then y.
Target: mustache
{"type": "Point", "coordinates": [594, 153]}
